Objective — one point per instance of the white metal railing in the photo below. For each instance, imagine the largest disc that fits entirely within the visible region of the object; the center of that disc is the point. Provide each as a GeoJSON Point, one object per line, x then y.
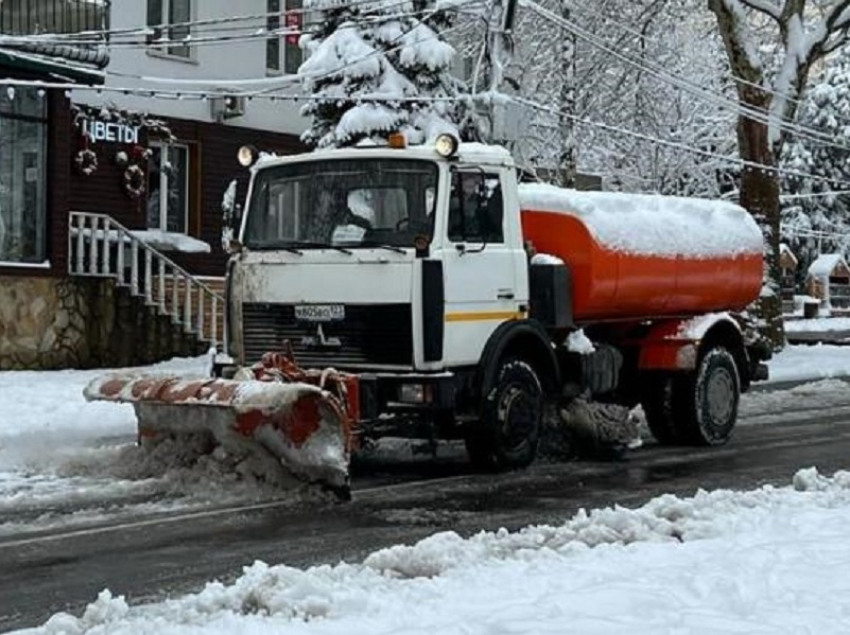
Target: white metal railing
{"type": "Point", "coordinates": [100, 246]}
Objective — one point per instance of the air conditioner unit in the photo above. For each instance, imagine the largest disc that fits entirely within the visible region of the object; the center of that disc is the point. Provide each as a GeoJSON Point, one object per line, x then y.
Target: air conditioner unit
{"type": "Point", "coordinates": [227, 107]}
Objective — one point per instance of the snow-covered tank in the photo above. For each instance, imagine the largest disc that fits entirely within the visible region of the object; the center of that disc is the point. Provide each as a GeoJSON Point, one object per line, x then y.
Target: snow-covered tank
{"type": "Point", "coordinates": [643, 255]}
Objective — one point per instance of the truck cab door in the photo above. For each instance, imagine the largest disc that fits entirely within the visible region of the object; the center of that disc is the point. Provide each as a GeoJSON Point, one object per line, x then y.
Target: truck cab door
{"type": "Point", "coordinates": [482, 248]}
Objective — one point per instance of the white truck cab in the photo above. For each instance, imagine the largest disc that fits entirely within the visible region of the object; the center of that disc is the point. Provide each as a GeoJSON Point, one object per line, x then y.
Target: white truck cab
{"type": "Point", "coordinates": [379, 259]}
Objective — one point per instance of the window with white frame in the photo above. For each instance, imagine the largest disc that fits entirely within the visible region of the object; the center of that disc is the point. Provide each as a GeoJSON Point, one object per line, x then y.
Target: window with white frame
{"type": "Point", "coordinates": [170, 21]}
{"type": "Point", "coordinates": [283, 53]}
{"type": "Point", "coordinates": [168, 188]}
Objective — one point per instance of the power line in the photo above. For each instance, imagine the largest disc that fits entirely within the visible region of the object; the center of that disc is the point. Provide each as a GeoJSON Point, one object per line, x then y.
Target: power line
{"type": "Point", "coordinates": [99, 34]}
{"type": "Point", "coordinates": [679, 146]}
{"type": "Point", "coordinates": [275, 82]}
{"type": "Point", "coordinates": [192, 40]}
{"type": "Point", "coordinates": [225, 23]}
{"type": "Point", "coordinates": [263, 93]}
{"type": "Point", "coordinates": [811, 134]}
{"type": "Point", "coordinates": [659, 41]}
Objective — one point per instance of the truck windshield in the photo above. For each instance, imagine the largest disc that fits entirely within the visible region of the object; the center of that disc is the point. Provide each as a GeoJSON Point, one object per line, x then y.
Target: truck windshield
{"type": "Point", "coordinates": [343, 203]}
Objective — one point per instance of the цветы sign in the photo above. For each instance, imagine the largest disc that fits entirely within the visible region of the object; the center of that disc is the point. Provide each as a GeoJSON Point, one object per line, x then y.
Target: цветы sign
{"type": "Point", "coordinates": [112, 132]}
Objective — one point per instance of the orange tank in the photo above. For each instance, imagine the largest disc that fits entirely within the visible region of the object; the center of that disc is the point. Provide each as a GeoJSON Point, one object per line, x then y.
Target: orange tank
{"type": "Point", "coordinates": [615, 284]}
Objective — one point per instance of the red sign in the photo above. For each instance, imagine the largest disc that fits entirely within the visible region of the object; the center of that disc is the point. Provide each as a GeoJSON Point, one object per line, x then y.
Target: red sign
{"type": "Point", "coordinates": [293, 22]}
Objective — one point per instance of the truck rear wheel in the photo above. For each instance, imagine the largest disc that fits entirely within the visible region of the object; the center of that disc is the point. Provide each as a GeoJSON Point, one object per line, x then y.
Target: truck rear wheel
{"type": "Point", "coordinates": [705, 403]}
{"type": "Point", "coordinates": [507, 435]}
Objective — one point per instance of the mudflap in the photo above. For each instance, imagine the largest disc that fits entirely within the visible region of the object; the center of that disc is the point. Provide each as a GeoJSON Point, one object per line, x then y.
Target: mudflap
{"type": "Point", "coordinates": [288, 431]}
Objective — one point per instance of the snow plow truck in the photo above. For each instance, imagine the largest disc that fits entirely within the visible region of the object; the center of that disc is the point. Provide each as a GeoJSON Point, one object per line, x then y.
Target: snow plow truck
{"type": "Point", "coordinates": [431, 292]}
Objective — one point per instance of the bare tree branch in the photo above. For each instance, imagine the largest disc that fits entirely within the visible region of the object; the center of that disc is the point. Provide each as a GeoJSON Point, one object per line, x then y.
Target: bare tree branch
{"type": "Point", "coordinates": [767, 7]}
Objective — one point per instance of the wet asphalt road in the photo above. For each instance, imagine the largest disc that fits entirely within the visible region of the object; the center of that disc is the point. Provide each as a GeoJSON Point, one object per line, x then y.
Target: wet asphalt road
{"type": "Point", "coordinates": [151, 559]}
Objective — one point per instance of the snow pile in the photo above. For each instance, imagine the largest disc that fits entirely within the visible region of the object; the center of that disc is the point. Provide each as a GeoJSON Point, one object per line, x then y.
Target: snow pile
{"type": "Point", "coordinates": [545, 259]}
{"type": "Point", "coordinates": [801, 362]}
{"type": "Point", "coordinates": [717, 561]}
{"type": "Point", "coordinates": [652, 224]}
{"type": "Point", "coordinates": [578, 342]}
{"type": "Point", "coordinates": [65, 461]}
{"type": "Point", "coordinates": [825, 265]}
{"type": "Point", "coordinates": [171, 241]}
{"type": "Point", "coordinates": [818, 325]}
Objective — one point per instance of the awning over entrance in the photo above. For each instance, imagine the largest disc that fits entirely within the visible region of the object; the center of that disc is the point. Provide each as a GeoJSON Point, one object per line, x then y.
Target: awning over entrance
{"type": "Point", "coordinates": [54, 68]}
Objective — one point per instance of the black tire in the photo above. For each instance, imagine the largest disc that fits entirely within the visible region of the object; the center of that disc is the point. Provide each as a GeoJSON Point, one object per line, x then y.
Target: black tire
{"type": "Point", "coordinates": [705, 403]}
{"type": "Point", "coordinates": [657, 405]}
{"type": "Point", "coordinates": [508, 432]}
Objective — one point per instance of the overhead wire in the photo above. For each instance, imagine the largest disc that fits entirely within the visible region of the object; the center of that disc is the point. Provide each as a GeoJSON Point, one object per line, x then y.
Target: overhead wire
{"type": "Point", "coordinates": [659, 41]}
{"type": "Point", "coordinates": [732, 160]}
{"type": "Point", "coordinates": [268, 94]}
{"type": "Point", "coordinates": [816, 136]}
{"type": "Point", "coordinates": [262, 93]}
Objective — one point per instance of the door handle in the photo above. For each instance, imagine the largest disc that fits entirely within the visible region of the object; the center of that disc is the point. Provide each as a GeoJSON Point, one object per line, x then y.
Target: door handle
{"type": "Point", "coordinates": [505, 295]}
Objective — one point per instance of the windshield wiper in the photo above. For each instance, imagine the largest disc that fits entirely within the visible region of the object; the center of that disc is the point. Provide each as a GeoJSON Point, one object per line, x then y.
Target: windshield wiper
{"type": "Point", "coordinates": [318, 245]}
{"type": "Point", "coordinates": [271, 246]}
{"type": "Point", "coordinates": [398, 250]}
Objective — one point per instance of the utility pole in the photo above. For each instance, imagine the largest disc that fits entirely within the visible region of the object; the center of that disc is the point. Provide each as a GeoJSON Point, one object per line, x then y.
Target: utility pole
{"type": "Point", "coordinates": [498, 50]}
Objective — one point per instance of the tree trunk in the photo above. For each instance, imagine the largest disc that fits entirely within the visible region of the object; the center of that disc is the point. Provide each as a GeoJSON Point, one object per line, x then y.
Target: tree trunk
{"type": "Point", "coordinates": [760, 196]}
{"type": "Point", "coordinates": [566, 124]}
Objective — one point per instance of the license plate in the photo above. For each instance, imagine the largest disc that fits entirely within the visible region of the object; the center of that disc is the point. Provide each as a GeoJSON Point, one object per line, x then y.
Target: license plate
{"type": "Point", "coordinates": [320, 312]}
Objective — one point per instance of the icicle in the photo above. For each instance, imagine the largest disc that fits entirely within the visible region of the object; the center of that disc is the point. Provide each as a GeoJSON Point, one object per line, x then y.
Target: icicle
{"type": "Point", "coordinates": [10, 91]}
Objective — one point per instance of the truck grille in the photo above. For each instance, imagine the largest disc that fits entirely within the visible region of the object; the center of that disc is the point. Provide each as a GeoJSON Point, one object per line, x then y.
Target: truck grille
{"type": "Point", "coordinates": [372, 335]}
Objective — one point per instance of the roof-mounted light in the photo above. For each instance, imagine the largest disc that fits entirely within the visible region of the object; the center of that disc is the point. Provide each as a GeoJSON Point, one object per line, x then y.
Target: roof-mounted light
{"type": "Point", "coordinates": [446, 145]}
{"type": "Point", "coordinates": [247, 156]}
{"type": "Point", "coordinates": [397, 140]}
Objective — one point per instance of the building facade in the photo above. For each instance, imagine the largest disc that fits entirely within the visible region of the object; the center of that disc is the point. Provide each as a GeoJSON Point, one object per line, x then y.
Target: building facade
{"type": "Point", "coordinates": [185, 145]}
{"type": "Point", "coordinates": [40, 320]}
{"type": "Point", "coordinates": [111, 190]}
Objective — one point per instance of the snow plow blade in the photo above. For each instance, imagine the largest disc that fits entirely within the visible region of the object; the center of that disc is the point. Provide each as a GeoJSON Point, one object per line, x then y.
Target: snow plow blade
{"type": "Point", "coordinates": [294, 425]}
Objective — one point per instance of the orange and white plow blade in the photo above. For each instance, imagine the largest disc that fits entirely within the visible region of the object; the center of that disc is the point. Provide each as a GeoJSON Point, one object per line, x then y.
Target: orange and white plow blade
{"type": "Point", "coordinates": [303, 429]}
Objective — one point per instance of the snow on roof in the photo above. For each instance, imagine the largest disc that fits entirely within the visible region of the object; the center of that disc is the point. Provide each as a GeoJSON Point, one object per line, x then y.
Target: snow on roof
{"type": "Point", "coordinates": [651, 223]}
{"type": "Point", "coordinates": [467, 153]}
{"type": "Point", "coordinates": [785, 250]}
{"type": "Point", "coordinates": [825, 264]}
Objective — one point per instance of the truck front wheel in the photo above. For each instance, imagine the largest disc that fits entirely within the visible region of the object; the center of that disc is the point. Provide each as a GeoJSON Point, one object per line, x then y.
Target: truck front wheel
{"type": "Point", "coordinates": [507, 435]}
{"type": "Point", "coordinates": [705, 404]}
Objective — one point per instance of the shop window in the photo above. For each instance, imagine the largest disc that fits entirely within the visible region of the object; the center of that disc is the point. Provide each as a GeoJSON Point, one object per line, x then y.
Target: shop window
{"type": "Point", "coordinates": [168, 188]}
{"type": "Point", "coordinates": [291, 11]}
{"type": "Point", "coordinates": [23, 180]}
{"type": "Point", "coordinates": [176, 14]}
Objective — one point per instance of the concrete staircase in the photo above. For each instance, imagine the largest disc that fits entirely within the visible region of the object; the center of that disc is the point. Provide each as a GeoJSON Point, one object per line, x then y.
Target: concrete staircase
{"type": "Point", "coordinates": [150, 308]}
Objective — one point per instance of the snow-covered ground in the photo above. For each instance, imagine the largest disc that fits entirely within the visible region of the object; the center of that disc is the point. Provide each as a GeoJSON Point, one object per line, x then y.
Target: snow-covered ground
{"type": "Point", "coordinates": [720, 562]}
{"type": "Point", "coordinates": [65, 461]}
{"type": "Point", "coordinates": [774, 560]}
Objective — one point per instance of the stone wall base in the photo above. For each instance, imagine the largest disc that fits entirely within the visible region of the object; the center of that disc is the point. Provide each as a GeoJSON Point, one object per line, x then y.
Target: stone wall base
{"type": "Point", "coordinates": [53, 323]}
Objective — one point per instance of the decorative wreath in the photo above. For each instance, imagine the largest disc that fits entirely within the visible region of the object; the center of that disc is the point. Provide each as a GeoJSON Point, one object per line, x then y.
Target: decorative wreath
{"type": "Point", "coordinates": [134, 181]}
{"type": "Point", "coordinates": [86, 161]}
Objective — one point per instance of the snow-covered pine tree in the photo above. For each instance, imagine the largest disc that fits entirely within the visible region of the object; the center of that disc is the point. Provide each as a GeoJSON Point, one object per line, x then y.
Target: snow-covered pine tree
{"type": "Point", "coordinates": [818, 220]}
{"type": "Point", "coordinates": [367, 64]}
